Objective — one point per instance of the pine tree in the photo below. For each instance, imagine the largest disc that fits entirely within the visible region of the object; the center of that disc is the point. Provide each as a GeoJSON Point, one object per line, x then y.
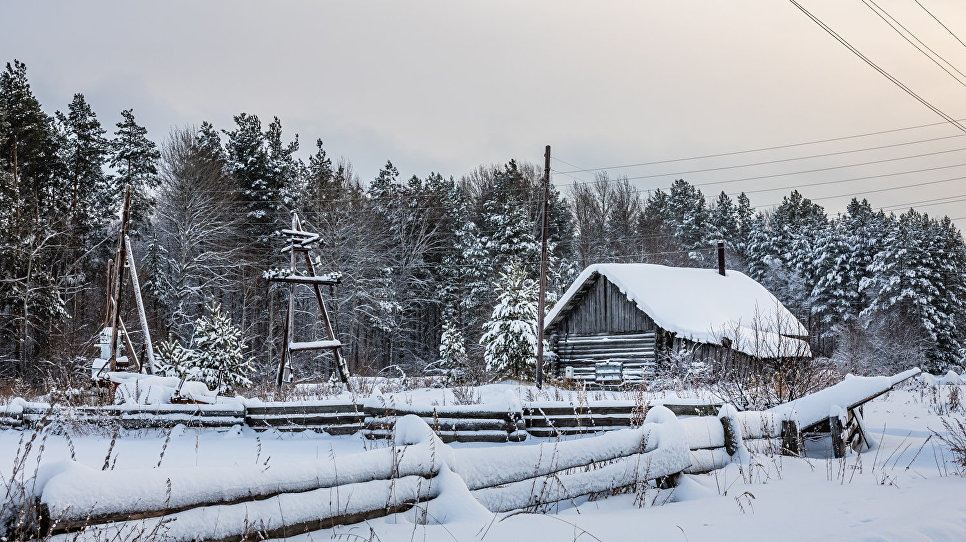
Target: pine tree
{"type": "Point", "coordinates": [917, 282]}
{"type": "Point", "coordinates": [508, 231]}
{"type": "Point", "coordinates": [135, 158]}
{"type": "Point", "coordinates": [844, 255]}
{"type": "Point", "coordinates": [219, 359]}
{"type": "Point", "coordinates": [723, 221]}
{"type": "Point", "coordinates": [174, 360]}
{"type": "Point", "coordinates": [249, 165]}
{"type": "Point", "coordinates": [687, 212]}
{"type": "Point", "coordinates": [33, 212]}
{"type": "Point", "coordinates": [94, 194]}
{"type": "Point", "coordinates": [510, 336]}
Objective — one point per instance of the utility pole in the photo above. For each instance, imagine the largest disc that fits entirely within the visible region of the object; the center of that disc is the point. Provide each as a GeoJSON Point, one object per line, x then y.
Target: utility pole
{"type": "Point", "coordinates": [543, 264]}
{"type": "Point", "coordinates": [119, 277]}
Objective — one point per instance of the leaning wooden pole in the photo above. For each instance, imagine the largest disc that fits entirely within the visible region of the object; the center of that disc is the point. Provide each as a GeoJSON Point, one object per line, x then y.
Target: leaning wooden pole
{"type": "Point", "coordinates": [543, 266]}
{"type": "Point", "coordinates": [119, 277]}
{"type": "Point", "coordinates": [290, 315]}
{"type": "Point", "coordinates": [136, 285]}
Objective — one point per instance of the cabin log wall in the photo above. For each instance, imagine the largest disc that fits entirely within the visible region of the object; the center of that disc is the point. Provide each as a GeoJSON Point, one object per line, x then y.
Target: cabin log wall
{"type": "Point", "coordinates": [603, 325]}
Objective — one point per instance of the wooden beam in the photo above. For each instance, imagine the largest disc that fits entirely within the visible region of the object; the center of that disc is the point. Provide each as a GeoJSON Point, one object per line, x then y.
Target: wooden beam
{"type": "Point", "coordinates": [298, 279]}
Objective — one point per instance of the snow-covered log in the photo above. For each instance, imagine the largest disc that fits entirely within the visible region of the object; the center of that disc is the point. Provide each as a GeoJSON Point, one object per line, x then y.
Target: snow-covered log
{"type": "Point", "coordinates": [304, 494]}
{"type": "Point", "coordinates": [849, 394]}
{"type": "Point", "coordinates": [552, 472]}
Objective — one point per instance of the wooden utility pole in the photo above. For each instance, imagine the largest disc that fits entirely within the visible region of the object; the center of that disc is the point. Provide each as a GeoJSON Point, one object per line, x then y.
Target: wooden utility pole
{"type": "Point", "coordinates": [119, 277]}
{"type": "Point", "coordinates": [543, 265]}
{"type": "Point", "coordinates": [142, 315]}
{"type": "Point", "coordinates": [302, 241]}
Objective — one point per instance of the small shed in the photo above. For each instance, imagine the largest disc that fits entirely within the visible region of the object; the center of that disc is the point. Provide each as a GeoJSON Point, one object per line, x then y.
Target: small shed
{"type": "Point", "coordinates": [616, 321]}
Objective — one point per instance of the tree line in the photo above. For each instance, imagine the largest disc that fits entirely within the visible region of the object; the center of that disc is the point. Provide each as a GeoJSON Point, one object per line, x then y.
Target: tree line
{"type": "Point", "coordinates": [424, 261]}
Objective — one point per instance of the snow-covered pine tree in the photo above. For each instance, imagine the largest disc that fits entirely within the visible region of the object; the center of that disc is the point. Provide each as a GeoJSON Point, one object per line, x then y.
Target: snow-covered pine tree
{"type": "Point", "coordinates": [135, 158]}
{"type": "Point", "coordinates": [93, 193]}
{"type": "Point", "coordinates": [510, 336]}
{"type": "Point", "coordinates": [209, 140]}
{"type": "Point", "coordinates": [910, 287]}
{"type": "Point", "coordinates": [723, 221]}
{"type": "Point", "coordinates": [249, 165]}
{"type": "Point", "coordinates": [219, 355]}
{"type": "Point", "coordinates": [174, 359]}
{"type": "Point", "coordinates": [688, 214]}
{"type": "Point", "coordinates": [34, 201]}
{"type": "Point", "coordinates": [452, 360]}
{"type": "Point", "coordinates": [508, 231]}
{"type": "Point", "coordinates": [845, 253]}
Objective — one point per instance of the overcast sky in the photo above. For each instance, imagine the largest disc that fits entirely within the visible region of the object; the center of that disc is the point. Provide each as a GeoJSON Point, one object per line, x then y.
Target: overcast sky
{"type": "Point", "coordinates": [446, 86]}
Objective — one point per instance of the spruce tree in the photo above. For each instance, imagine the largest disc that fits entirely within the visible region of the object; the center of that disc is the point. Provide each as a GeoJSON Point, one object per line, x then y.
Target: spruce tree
{"type": "Point", "coordinates": [453, 361]}
{"type": "Point", "coordinates": [510, 336]}
{"type": "Point", "coordinates": [219, 359]}
{"type": "Point", "coordinates": [249, 165]}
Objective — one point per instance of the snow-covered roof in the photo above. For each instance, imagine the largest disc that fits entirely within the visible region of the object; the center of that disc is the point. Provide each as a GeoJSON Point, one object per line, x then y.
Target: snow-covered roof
{"type": "Point", "coordinates": [702, 306]}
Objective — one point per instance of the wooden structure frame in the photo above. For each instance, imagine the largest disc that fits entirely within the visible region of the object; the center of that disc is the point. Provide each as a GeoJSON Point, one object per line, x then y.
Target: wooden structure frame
{"type": "Point", "coordinates": [124, 258]}
{"type": "Point", "coordinates": [301, 241]}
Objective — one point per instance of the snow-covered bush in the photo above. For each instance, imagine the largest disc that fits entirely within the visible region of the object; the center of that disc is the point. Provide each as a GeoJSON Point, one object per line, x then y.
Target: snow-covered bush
{"type": "Point", "coordinates": [510, 336]}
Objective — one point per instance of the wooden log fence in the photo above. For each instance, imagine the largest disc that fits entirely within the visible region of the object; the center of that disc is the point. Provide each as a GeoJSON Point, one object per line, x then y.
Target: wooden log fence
{"type": "Point", "coordinates": [476, 423]}
{"type": "Point", "coordinates": [450, 424]}
{"type": "Point", "coordinates": [241, 503]}
{"type": "Point", "coordinates": [253, 503]}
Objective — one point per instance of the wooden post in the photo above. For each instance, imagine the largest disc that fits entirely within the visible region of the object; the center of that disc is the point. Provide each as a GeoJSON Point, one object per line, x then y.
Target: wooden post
{"type": "Point", "coordinates": [838, 442]}
{"type": "Point", "coordinates": [119, 276]}
{"type": "Point", "coordinates": [133, 357]}
{"type": "Point", "coordinates": [301, 242]}
{"type": "Point", "coordinates": [791, 439]}
{"type": "Point", "coordinates": [543, 265]}
{"type": "Point", "coordinates": [721, 258]}
{"type": "Point", "coordinates": [142, 315]}
{"type": "Point", "coordinates": [290, 315]}
{"type": "Point", "coordinates": [110, 293]}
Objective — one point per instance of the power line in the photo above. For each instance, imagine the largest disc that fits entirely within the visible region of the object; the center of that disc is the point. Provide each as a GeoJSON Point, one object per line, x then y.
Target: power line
{"type": "Point", "coordinates": [762, 149]}
{"type": "Point", "coordinates": [875, 66]}
{"type": "Point", "coordinates": [882, 13]}
{"type": "Point", "coordinates": [864, 178]}
{"type": "Point", "coordinates": [723, 168]}
{"type": "Point", "coordinates": [927, 202]}
{"type": "Point", "coordinates": [951, 33]}
{"type": "Point", "coordinates": [878, 190]}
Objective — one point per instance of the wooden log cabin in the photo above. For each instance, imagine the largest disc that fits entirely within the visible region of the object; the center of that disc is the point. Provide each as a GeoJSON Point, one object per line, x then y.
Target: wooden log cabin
{"type": "Point", "coordinates": [617, 321]}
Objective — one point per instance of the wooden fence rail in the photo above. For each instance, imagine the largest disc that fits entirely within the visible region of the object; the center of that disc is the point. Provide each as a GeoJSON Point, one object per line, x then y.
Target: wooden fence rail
{"type": "Point", "coordinates": [236, 503]}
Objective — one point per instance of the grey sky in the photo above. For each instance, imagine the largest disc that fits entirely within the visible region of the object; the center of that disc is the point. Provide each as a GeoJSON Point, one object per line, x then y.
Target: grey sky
{"type": "Point", "coordinates": [445, 86]}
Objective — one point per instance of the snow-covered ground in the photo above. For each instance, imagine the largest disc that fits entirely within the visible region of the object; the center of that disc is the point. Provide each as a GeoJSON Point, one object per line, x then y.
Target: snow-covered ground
{"type": "Point", "coordinates": [906, 488]}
